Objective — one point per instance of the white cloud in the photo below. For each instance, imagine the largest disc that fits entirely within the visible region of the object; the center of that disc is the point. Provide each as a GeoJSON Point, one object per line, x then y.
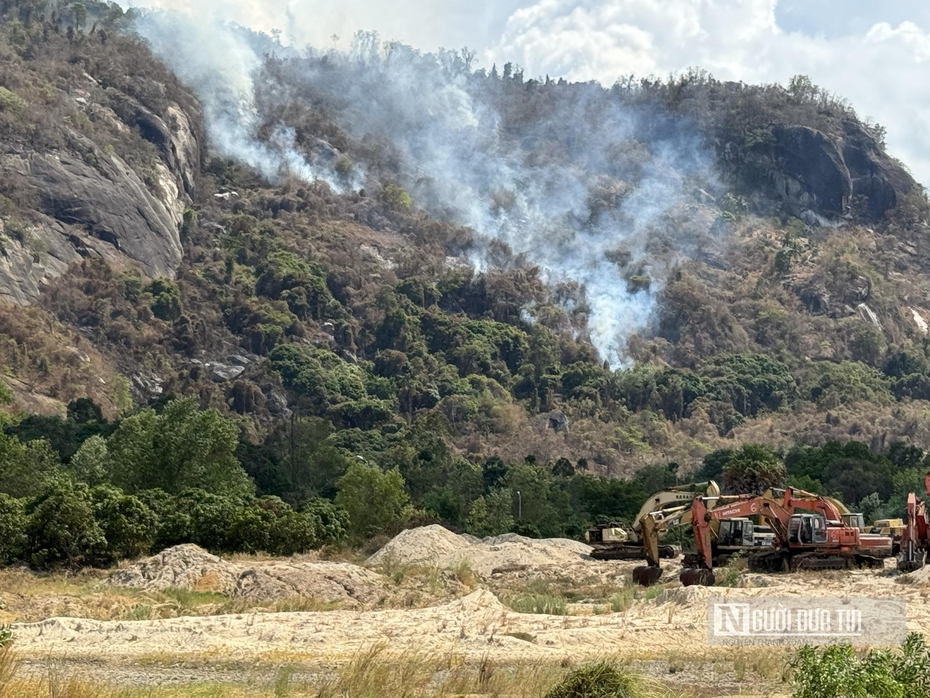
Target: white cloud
{"type": "Point", "coordinates": [881, 71]}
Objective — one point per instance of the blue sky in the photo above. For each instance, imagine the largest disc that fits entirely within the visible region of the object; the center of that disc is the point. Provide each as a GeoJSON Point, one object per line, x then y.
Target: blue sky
{"type": "Point", "coordinates": [833, 18]}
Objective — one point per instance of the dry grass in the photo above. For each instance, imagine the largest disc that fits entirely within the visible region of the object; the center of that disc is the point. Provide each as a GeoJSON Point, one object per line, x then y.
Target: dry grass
{"type": "Point", "coordinates": [373, 673]}
{"type": "Point", "coordinates": [745, 665]}
{"type": "Point", "coordinates": [30, 597]}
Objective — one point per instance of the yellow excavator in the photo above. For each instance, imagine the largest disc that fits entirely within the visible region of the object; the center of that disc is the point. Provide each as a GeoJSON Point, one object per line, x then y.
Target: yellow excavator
{"type": "Point", "coordinates": [613, 542]}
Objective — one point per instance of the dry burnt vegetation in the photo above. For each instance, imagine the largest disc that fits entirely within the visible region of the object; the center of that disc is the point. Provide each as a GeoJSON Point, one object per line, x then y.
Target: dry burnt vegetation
{"type": "Point", "coordinates": [338, 344]}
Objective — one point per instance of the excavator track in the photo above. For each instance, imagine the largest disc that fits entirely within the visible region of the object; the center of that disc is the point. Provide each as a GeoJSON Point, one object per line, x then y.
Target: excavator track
{"type": "Point", "coordinates": [820, 561]}
{"type": "Point", "coordinates": [632, 552]}
{"type": "Point", "coordinates": [773, 561]}
{"type": "Point", "coordinates": [867, 561]}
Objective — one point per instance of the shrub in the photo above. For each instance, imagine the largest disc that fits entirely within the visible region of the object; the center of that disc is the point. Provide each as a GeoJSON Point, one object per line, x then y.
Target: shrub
{"type": "Point", "coordinates": [395, 197]}
{"type": "Point", "coordinates": [10, 101]}
{"type": "Point", "coordinates": [600, 680]}
{"type": "Point", "coordinates": [166, 300]}
{"type": "Point", "coordinates": [332, 521]}
{"type": "Point", "coordinates": [294, 533]}
{"type": "Point", "coordinates": [545, 604]}
{"type": "Point", "coordinates": [838, 671]}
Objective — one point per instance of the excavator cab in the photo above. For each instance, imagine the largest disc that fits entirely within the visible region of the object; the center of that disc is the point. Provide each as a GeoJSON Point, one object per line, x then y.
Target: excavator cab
{"type": "Point", "coordinates": [852, 520]}
{"type": "Point", "coordinates": [807, 529]}
{"type": "Point", "coordinates": [736, 533]}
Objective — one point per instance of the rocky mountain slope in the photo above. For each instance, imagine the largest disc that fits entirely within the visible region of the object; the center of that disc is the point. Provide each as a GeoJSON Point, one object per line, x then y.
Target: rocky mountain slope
{"type": "Point", "coordinates": [97, 161]}
{"type": "Point", "coordinates": [774, 283]}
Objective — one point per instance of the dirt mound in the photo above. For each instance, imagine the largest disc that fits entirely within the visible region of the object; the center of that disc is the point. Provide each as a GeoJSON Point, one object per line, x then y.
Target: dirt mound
{"type": "Point", "coordinates": [435, 545]}
{"type": "Point", "coordinates": [427, 545]}
{"type": "Point", "coordinates": [328, 582]}
{"type": "Point", "coordinates": [183, 566]}
{"type": "Point", "coordinates": [511, 551]}
{"type": "Point", "coordinates": [191, 567]}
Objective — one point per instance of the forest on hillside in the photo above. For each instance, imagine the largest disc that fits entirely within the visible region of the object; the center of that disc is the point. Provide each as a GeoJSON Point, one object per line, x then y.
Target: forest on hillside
{"type": "Point", "coordinates": [645, 291]}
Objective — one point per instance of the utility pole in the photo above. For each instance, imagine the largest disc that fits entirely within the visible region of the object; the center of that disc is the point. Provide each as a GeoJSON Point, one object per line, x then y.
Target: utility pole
{"type": "Point", "coordinates": [519, 506]}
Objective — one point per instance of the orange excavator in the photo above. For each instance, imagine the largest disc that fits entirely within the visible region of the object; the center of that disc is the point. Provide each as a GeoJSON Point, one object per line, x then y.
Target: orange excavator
{"type": "Point", "coordinates": [915, 539]}
{"type": "Point", "coordinates": [809, 534]}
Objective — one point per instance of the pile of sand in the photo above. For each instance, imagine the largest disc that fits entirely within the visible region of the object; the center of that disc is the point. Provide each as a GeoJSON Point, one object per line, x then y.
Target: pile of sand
{"type": "Point", "coordinates": [435, 545]}
{"type": "Point", "coordinates": [324, 581]}
{"type": "Point", "coordinates": [476, 626]}
{"type": "Point", "coordinates": [191, 567]}
{"type": "Point", "coordinates": [181, 567]}
{"type": "Point", "coordinates": [427, 545]}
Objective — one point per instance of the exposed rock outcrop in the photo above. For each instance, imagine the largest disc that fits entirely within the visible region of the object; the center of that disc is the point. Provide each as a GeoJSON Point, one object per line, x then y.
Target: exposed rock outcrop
{"type": "Point", "coordinates": [834, 175]}
{"type": "Point", "coordinates": [87, 201]}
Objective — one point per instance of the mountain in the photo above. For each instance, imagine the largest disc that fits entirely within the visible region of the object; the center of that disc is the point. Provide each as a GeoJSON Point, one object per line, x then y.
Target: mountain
{"type": "Point", "coordinates": [420, 255]}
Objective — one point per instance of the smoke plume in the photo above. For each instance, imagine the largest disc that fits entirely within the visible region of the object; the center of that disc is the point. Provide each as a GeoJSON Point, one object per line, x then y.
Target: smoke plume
{"type": "Point", "coordinates": [592, 190]}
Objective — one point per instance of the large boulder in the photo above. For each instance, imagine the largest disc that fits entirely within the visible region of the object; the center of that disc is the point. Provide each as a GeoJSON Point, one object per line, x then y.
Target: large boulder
{"type": "Point", "coordinates": [878, 180]}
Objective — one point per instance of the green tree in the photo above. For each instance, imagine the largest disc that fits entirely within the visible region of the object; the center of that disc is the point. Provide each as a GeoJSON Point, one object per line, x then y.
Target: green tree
{"type": "Point", "coordinates": [753, 469]}
{"type": "Point", "coordinates": [541, 505]}
{"type": "Point", "coordinates": [182, 447]}
{"type": "Point", "coordinates": [27, 470]}
{"type": "Point", "coordinates": [127, 524]}
{"type": "Point", "coordinates": [374, 499]}
{"type": "Point", "coordinates": [491, 514]}
{"type": "Point", "coordinates": [62, 529]}
{"type": "Point", "coordinates": [306, 460]}
{"type": "Point", "coordinates": [749, 382]}
{"type": "Point", "coordinates": [80, 15]}
{"type": "Point", "coordinates": [12, 528]}
{"type": "Point", "coordinates": [91, 463]}
{"type": "Point", "coordinates": [333, 521]}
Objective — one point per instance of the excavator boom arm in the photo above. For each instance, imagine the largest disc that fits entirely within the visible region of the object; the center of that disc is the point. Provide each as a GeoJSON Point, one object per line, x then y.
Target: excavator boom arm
{"type": "Point", "coordinates": [674, 497]}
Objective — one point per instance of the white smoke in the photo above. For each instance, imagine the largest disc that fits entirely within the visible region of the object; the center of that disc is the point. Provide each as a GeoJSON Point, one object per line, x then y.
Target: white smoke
{"type": "Point", "coordinates": [874, 54]}
{"type": "Point", "coordinates": [473, 156]}
{"type": "Point", "coordinates": [458, 158]}
{"type": "Point", "coordinates": [220, 61]}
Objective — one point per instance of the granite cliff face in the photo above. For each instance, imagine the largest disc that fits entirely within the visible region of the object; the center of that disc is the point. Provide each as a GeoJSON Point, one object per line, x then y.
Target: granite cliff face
{"type": "Point", "coordinates": [845, 173]}
{"type": "Point", "coordinates": [84, 199]}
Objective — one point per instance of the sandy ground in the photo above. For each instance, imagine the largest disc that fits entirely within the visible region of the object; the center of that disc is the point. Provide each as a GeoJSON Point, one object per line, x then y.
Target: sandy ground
{"type": "Point", "coordinates": [655, 633]}
{"type": "Point", "coordinates": [476, 625]}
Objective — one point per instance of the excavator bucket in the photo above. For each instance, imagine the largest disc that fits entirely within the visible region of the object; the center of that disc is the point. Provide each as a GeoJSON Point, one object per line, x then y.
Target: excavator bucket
{"type": "Point", "coordinates": [647, 575]}
{"type": "Point", "coordinates": [911, 559]}
{"type": "Point", "coordinates": [909, 565]}
{"type": "Point", "coordinates": [697, 576]}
